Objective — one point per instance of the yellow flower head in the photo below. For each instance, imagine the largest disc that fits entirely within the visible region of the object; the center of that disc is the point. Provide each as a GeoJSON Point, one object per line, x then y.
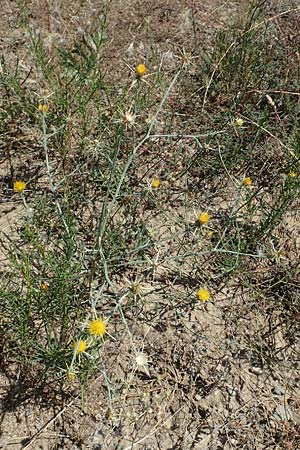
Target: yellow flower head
{"type": "Point", "coordinates": [97, 327]}
{"type": "Point", "coordinates": [136, 288]}
{"type": "Point", "coordinates": [44, 286]}
{"type": "Point", "coordinates": [155, 183]}
{"type": "Point", "coordinates": [292, 174]}
{"type": "Point", "coordinates": [247, 181]}
{"type": "Point", "coordinates": [82, 345]}
{"type": "Point", "coordinates": [43, 108]}
{"type": "Point", "coordinates": [19, 186]}
{"type": "Point", "coordinates": [203, 294]}
{"type": "Point", "coordinates": [203, 218]}
{"type": "Point", "coordinates": [141, 70]}
{"type": "Point", "coordinates": [239, 122]}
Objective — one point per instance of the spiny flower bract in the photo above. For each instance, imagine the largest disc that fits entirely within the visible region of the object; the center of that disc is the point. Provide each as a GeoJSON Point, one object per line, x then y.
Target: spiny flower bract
{"type": "Point", "coordinates": [71, 376]}
{"type": "Point", "coordinates": [136, 288]}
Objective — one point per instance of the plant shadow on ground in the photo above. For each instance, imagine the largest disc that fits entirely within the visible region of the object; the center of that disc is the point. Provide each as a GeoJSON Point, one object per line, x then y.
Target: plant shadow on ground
{"type": "Point", "coordinates": [23, 388]}
{"type": "Point", "coordinates": [27, 386]}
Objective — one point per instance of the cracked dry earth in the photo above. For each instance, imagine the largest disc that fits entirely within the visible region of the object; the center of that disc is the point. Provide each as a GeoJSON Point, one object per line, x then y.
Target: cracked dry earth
{"type": "Point", "coordinates": [202, 388]}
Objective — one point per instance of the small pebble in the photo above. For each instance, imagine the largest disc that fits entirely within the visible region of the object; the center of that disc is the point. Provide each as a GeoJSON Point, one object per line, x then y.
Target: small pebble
{"type": "Point", "coordinates": [256, 370]}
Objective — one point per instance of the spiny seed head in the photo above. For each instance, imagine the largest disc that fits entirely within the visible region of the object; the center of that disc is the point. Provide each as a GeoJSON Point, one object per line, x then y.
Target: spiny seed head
{"type": "Point", "coordinates": [19, 186]}
{"type": "Point", "coordinates": [129, 118]}
{"type": "Point", "coordinates": [82, 346]}
{"type": "Point", "coordinates": [97, 327]}
{"type": "Point", "coordinates": [71, 375]}
{"type": "Point", "coordinates": [203, 218]}
{"type": "Point", "coordinates": [203, 294]}
{"type": "Point", "coordinates": [186, 58]}
{"type": "Point", "coordinates": [141, 70]}
{"type": "Point", "coordinates": [141, 359]}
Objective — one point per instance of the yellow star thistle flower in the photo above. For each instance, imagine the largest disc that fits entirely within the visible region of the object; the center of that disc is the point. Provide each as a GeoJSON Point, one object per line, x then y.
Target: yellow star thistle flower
{"type": "Point", "coordinates": [82, 346]}
{"type": "Point", "coordinates": [136, 288]}
{"type": "Point", "coordinates": [19, 186]}
{"type": "Point", "coordinates": [43, 108]}
{"type": "Point", "coordinates": [239, 122]}
{"type": "Point", "coordinates": [203, 294]}
{"type": "Point", "coordinates": [247, 181]}
{"type": "Point", "coordinates": [44, 286]}
{"type": "Point", "coordinates": [141, 70]}
{"type": "Point", "coordinates": [292, 174]}
{"type": "Point", "coordinates": [97, 327]}
{"type": "Point", "coordinates": [155, 184]}
{"type": "Point", "coordinates": [203, 218]}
